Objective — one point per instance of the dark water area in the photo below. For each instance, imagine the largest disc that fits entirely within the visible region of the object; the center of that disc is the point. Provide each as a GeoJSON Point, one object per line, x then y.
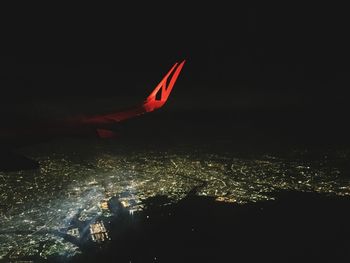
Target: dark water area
{"type": "Point", "coordinates": [297, 227]}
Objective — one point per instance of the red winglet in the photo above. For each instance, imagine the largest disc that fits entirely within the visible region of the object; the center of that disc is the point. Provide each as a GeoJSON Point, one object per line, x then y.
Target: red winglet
{"type": "Point", "coordinates": [150, 104]}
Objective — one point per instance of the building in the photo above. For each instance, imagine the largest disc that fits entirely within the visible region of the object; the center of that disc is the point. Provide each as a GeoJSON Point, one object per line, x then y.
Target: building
{"type": "Point", "coordinates": [74, 232]}
{"type": "Point", "coordinates": [98, 232]}
{"type": "Point", "coordinates": [104, 205]}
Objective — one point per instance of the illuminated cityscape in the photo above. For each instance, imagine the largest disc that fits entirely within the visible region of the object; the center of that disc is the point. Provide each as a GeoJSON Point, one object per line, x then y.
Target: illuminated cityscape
{"type": "Point", "coordinates": [69, 202]}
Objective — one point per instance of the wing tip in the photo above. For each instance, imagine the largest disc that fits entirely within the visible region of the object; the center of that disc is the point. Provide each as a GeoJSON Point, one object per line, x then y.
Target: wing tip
{"type": "Point", "coordinates": [152, 102]}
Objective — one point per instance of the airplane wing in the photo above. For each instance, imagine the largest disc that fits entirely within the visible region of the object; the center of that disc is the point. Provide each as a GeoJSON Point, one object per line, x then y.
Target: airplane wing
{"type": "Point", "coordinates": [155, 100]}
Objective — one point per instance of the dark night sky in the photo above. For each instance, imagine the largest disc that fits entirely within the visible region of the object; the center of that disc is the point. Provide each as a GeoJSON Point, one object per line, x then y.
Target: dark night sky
{"type": "Point", "coordinates": [237, 57]}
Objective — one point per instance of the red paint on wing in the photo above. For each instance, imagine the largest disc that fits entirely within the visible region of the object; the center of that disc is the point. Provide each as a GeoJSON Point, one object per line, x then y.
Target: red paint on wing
{"type": "Point", "coordinates": [154, 100]}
